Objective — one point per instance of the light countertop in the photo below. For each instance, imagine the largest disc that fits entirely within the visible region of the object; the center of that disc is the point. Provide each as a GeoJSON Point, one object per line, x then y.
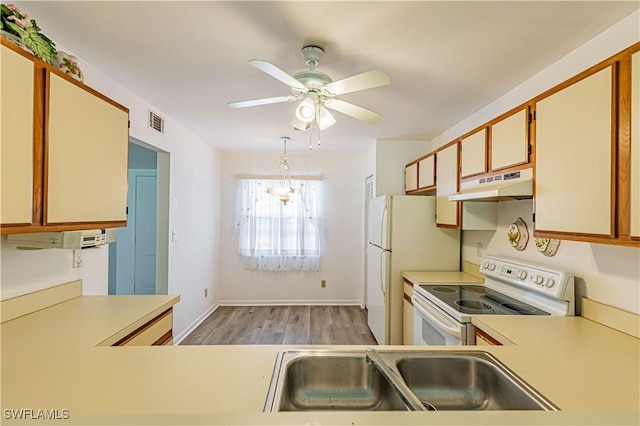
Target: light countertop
{"type": "Point", "coordinates": [51, 359]}
{"type": "Point", "coordinates": [430, 277]}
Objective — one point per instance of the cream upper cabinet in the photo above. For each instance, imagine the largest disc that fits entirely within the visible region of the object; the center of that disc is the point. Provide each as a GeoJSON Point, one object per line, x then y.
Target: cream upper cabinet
{"type": "Point", "coordinates": [86, 158]}
{"type": "Point", "coordinates": [427, 172]}
{"type": "Point", "coordinates": [573, 158]}
{"type": "Point", "coordinates": [411, 177]}
{"type": "Point", "coordinates": [509, 146]}
{"type": "Point", "coordinates": [16, 137]}
{"type": "Point", "coordinates": [447, 184]}
{"type": "Point", "coordinates": [635, 145]}
{"type": "Point", "coordinates": [474, 154]}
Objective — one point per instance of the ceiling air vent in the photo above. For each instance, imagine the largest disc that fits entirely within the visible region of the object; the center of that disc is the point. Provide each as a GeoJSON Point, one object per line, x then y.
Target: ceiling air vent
{"type": "Point", "coordinates": [156, 122]}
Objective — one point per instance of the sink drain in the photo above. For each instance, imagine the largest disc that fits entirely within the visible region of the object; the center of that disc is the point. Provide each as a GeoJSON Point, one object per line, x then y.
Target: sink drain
{"type": "Point", "coordinates": [428, 406]}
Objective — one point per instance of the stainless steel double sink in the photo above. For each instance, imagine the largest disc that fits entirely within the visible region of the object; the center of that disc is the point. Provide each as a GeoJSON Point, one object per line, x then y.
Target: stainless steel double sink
{"type": "Point", "coordinates": [316, 380]}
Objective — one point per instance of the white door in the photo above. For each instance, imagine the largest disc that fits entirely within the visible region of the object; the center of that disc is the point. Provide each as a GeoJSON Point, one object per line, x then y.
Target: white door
{"type": "Point", "coordinates": [144, 276]}
{"type": "Point", "coordinates": [368, 196]}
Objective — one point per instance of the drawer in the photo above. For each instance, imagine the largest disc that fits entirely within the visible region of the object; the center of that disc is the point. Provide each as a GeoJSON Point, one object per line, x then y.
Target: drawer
{"type": "Point", "coordinates": [408, 288]}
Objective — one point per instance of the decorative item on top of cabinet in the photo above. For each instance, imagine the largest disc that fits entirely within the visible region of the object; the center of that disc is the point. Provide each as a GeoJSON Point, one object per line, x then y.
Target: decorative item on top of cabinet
{"type": "Point", "coordinates": [79, 127]}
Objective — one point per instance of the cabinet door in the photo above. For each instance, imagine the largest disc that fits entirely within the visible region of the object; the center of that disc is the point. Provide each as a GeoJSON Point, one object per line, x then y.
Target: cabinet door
{"type": "Point", "coordinates": [16, 138]}
{"type": "Point", "coordinates": [427, 172]}
{"type": "Point", "coordinates": [509, 145]}
{"type": "Point", "coordinates": [635, 145]}
{"type": "Point", "coordinates": [474, 154]}
{"type": "Point", "coordinates": [411, 177]}
{"type": "Point", "coordinates": [86, 156]}
{"type": "Point", "coordinates": [573, 158]}
{"type": "Point", "coordinates": [447, 178]}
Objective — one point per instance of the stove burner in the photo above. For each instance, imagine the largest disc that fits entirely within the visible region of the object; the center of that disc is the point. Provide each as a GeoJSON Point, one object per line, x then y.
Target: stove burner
{"type": "Point", "coordinates": [518, 307]}
{"type": "Point", "coordinates": [472, 304]}
{"type": "Point", "coordinates": [444, 289]}
{"type": "Point", "coordinates": [474, 288]}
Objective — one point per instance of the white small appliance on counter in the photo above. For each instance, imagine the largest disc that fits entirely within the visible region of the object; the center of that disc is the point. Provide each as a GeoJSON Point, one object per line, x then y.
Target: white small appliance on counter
{"type": "Point", "coordinates": [63, 239]}
{"type": "Point", "coordinates": [442, 312]}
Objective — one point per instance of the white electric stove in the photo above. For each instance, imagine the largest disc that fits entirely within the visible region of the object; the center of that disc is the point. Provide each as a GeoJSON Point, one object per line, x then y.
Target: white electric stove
{"type": "Point", "coordinates": [442, 312]}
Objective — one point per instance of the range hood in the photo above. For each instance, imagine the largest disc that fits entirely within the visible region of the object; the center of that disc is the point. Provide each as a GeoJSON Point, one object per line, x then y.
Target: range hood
{"type": "Point", "coordinates": [508, 186]}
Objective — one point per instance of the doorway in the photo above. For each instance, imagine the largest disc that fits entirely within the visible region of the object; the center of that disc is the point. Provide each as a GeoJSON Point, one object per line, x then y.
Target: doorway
{"type": "Point", "coordinates": [138, 259]}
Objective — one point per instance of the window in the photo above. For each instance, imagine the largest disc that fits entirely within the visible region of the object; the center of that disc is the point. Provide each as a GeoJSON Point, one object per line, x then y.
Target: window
{"type": "Point", "coordinates": [279, 237]}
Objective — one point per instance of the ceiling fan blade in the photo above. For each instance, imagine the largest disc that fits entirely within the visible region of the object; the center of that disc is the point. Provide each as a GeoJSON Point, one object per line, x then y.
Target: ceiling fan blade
{"type": "Point", "coordinates": [325, 118]}
{"type": "Point", "coordinates": [367, 80]}
{"type": "Point", "coordinates": [264, 101]}
{"type": "Point", "coordinates": [277, 73]}
{"type": "Point", "coordinates": [353, 110]}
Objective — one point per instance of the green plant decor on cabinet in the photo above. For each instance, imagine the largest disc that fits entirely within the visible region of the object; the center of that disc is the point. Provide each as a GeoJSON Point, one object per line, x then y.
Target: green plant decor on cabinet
{"type": "Point", "coordinates": [21, 25]}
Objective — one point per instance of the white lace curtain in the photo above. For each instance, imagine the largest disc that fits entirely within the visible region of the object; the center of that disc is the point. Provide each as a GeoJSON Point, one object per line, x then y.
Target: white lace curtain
{"type": "Point", "coordinates": [274, 236]}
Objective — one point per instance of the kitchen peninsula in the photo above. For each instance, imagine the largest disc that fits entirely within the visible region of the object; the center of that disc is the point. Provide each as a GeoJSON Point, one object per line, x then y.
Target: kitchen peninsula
{"type": "Point", "coordinates": [55, 358]}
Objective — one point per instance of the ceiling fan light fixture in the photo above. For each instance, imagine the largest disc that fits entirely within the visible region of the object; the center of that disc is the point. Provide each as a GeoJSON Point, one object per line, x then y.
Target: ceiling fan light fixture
{"type": "Point", "coordinates": [306, 110]}
{"type": "Point", "coordinates": [325, 118]}
{"type": "Point", "coordinates": [299, 125]}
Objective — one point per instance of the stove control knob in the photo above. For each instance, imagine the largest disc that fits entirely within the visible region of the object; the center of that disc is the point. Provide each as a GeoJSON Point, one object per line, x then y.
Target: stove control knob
{"type": "Point", "coordinates": [539, 279]}
{"type": "Point", "coordinates": [492, 266]}
{"type": "Point", "coordinates": [550, 282]}
{"type": "Point", "coordinates": [522, 275]}
{"type": "Point", "coordinates": [485, 265]}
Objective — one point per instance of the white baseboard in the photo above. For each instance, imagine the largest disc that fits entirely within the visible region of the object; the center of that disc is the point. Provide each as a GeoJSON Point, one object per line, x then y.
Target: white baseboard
{"type": "Point", "coordinates": [178, 339]}
{"type": "Point", "coordinates": [245, 302]}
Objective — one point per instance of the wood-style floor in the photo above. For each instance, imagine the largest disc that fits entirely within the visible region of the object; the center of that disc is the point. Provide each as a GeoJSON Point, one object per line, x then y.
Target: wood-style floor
{"type": "Point", "coordinates": [291, 325]}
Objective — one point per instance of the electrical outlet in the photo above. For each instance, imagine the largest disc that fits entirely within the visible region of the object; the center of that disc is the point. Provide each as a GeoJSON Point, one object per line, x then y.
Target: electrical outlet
{"type": "Point", "coordinates": [323, 283]}
{"type": "Point", "coordinates": [479, 249]}
{"type": "Point", "coordinates": [206, 292]}
{"type": "Point", "coordinates": [77, 258]}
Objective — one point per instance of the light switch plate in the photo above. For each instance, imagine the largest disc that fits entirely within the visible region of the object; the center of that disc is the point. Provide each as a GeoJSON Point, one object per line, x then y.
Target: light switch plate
{"type": "Point", "coordinates": [77, 258]}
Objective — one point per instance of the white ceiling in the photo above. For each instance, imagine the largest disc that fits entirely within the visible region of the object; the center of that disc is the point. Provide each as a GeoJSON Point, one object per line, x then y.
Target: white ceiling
{"type": "Point", "coordinates": [446, 59]}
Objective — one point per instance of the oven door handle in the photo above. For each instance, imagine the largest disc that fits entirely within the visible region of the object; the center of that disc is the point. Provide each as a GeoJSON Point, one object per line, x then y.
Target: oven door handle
{"type": "Point", "coordinates": [438, 318]}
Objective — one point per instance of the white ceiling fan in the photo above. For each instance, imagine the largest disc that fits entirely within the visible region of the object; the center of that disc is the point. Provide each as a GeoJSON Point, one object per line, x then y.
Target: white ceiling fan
{"type": "Point", "coordinates": [317, 92]}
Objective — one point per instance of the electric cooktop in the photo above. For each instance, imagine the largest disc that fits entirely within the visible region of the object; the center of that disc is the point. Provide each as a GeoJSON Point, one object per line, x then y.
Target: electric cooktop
{"type": "Point", "coordinates": [480, 300]}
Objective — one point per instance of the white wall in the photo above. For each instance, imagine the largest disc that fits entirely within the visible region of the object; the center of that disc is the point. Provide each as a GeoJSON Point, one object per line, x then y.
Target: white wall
{"type": "Point", "coordinates": [194, 215]}
{"type": "Point", "coordinates": [341, 263]}
{"type": "Point", "coordinates": [608, 274]}
{"type": "Point", "coordinates": [391, 158]}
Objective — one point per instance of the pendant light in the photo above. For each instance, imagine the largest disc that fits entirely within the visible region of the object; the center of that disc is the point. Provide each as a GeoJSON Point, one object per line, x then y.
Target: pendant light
{"type": "Point", "coordinates": [285, 191]}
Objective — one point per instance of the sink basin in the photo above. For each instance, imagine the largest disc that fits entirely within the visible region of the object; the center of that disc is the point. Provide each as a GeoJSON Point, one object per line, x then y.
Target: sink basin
{"type": "Point", "coordinates": [318, 380]}
{"type": "Point", "coordinates": [467, 381]}
{"type": "Point", "coordinates": [330, 381]}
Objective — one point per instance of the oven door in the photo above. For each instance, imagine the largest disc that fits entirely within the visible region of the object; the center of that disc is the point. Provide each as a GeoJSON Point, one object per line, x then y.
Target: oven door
{"type": "Point", "coordinates": [433, 327]}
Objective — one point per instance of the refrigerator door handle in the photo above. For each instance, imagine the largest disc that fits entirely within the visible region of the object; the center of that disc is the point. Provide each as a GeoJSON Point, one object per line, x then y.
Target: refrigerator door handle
{"type": "Point", "coordinates": [381, 276]}
{"type": "Point", "coordinates": [383, 242]}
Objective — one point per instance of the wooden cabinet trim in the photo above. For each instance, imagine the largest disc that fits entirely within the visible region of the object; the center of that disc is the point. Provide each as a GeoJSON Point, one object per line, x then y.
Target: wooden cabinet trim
{"type": "Point", "coordinates": [480, 334]}
{"type": "Point", "coordinates": [143, 328]}
{"type": "Point", "coordinates": [166, 337]}
{"type": "Point", "coordinates": [407, 299]}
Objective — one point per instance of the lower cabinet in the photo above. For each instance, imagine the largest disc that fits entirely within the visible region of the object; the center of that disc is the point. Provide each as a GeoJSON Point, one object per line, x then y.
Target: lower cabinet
{"type": "Point", "coordinates": [156, 332]}
{"type": "Point", "coordinates": [407, 314]}
{"type": "Point", "coordinates": [483, 339]}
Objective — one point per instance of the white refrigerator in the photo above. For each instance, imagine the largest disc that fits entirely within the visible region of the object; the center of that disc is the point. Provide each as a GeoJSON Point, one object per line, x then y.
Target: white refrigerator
{"type": "Point", "coordinates": [402, 236]}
